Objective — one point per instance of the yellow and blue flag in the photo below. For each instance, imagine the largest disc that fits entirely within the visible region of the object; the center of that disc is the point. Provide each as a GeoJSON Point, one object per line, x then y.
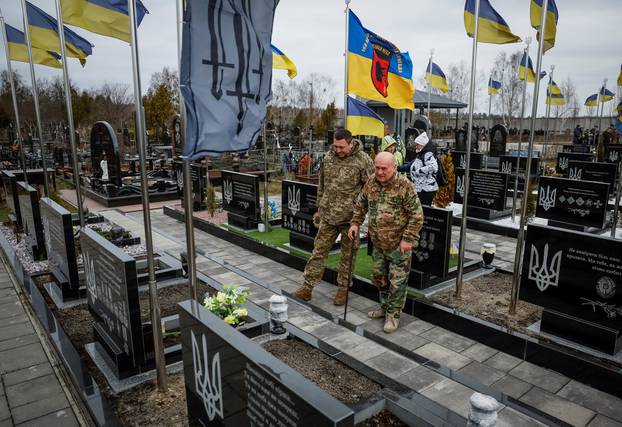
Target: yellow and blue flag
{"type": "Point", "coordinates": [377, 69]}
{"type": "Point", "coordinates": [554, 89]}
{"type": "Point", "coordinates": [620, 77]}
{"type": "Point", "coordinates": [526, 68]}
{"type": "Point", "coordinates": [618, 123]}
{"type": "Point", "coordinates": [493, 86]}
{"type": "Point", "coordinates": [552, 17]}
{"type": "Point", "coordinates": [591, 101]}
{"type": "Point", "coordinates": [44, 35]}
{"type": "Point", "coordinates": [362, 120]}
{"type": "Point", "coordinates": [492, 28]}
{"type": "Point", "coordinates": [619, 108]}
{"type": "Point", "coordinates": [106, 17]}
{"type": "Point", "coordinates": [280, 61]}
{"type": "Point", "coordinates": [605, 94]}
{"type": "Point", "coordinates": [435, 77]}
{"type": "Point", "coordinates": [555, 98]}
{"type": "Point", "coordinates": [18, 51]}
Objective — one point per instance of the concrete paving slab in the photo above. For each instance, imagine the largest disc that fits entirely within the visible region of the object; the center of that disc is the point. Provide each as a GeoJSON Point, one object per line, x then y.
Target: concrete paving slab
{"type": "Point", "coordinates": [450, 394]}
{"type": "Point", "coordinates": [418, 327]}
{"type": "Point", "coordinates": [602, 421]}
{"type": "Point", "coordinates": [11, 309]}
{"type": "Point", "coordinates": [406, 340]}
{"type": "Point", "coordinates": [442, 355]}
{"type": "Point", "coordinates": [40, 408]}
{"type": "Point", "coordinates": [365, 351]}
{"type": "Point", "coordinates": [18, 342]}
{"type": "Point", "coordinates": [559, 407]}
{"type": "Point", "coordinates": [5, 413]}
{"type": "Point", "coordinates": [502, 362]}
{"type": "Point", "coordinates": [22, 357]}
{"type": "Point", "coordinates": [538, 376]}
{"type": "Point", "coordinates": [509, 417]}
{"type": "Point", "coordinates": [346, 340]}
{"type": "Point", "coordinates": [420, 378]}
{"type": "Point", "coordinates": [512, 386]}
{"type": "Point", "coordinates": [27, 374]}
{"type": "Point", "coordinates": [62, 418]}
{"type": "Point", "coordinates": [448, 339]}
{"type": "Point", "coordinates": [482, 373]}
{"type": "Point", "coordinates": [33, 390]}
{"type": "Point", "coordinates": [391, 364]}
{"type": "Point", "coordinates": [479, 352]}
{"type": "Point", "coordinates": [16, 330]}
{"type": "Point", "coordinates": [593, 399]}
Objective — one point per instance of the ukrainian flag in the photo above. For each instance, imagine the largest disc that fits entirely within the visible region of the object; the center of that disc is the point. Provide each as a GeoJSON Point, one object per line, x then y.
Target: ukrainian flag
{"type": "Point", "coordinates": [106, 17]}
{"type": "Point", "coordinates": [526, 67]}
{"type": "Point", "coordinates": [554, 89]}
{"type": "Point", "coordinates": [551, 21]}
{"type": "Point", "coordinates": [619, 108]}
{"type": "Point", "coordinates": [44, 35]}
{"type": "Point", "coordinates": [362, 120]}
{"type": "Point", "coordinates": [605, 94]}
{"type": "Point", "coordinates": [435, 77]}
{"type": "Point", "coordinates": [620, 77]}
{"type": "Point", "coordinates": [280, 61]}
{"type": "Point", "coordinates": [591, 101]}
{"type": "Point", "coordinates": [554, 99]}
{"type": "Point", "coordinates": [18, 51]}
{"type": "Point", "coordinates": [492, 27]}
{"type": "Point", "coordinates": [377, 69]}
{"type": "Point", "coordinates": [493, 86]}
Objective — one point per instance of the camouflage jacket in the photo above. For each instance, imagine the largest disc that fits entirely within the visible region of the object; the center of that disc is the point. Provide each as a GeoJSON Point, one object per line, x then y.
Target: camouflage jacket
{"type": "Point", "coordinates": [395, 212]}
{"type": "Point", "coordinates": [341, 180]}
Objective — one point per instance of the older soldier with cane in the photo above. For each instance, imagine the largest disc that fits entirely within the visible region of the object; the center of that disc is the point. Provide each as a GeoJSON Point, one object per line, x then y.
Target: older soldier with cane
{"type": "Point", "coordinates": [395, 220]}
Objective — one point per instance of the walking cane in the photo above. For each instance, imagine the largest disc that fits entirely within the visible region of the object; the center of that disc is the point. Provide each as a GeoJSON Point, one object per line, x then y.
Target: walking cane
{"type": "Point", "coordinates": [350, 268]}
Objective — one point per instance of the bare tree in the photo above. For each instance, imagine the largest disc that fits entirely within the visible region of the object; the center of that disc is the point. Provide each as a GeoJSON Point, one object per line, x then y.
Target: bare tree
{"type": "Point", "coordinates": [459, 82]}
{"type": "Point", "coordinates": [572, 106]}
{"type": "Point", "coordinates": [505, 70]}
{"type": "Point", "coordinates": [114, 104]}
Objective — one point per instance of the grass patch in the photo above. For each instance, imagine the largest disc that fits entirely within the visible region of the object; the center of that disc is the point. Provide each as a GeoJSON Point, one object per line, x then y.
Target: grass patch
{"type": "Point", "coordinates": [64, 184]}
{"type": "Point", "coordinates": [64, 203]}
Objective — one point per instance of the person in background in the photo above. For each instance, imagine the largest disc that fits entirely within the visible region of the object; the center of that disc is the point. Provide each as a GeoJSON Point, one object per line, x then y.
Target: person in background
{"type": "Point", "coordinates": [423, 169]}
{"type": "Point", "coordinates": [395, 220]}
{"type": "Point", "coordinates": [390, 144]}
{"type": "Point", "coordinates": [345, 169]}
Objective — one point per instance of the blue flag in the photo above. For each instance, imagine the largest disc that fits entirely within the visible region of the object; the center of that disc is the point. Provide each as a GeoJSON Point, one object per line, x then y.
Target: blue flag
{"type": "Point", "coordinates": [226, 74]}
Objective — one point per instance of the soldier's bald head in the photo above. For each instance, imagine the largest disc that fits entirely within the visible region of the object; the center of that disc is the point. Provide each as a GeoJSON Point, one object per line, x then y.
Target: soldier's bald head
{"type": "Point", "coordinates": [385, 166]}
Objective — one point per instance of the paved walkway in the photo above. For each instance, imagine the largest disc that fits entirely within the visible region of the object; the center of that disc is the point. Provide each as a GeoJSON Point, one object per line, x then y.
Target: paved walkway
{"type": "Point", "coordinates": [30, 392]}
{"type": "Point", "coordinates": [478, 366]}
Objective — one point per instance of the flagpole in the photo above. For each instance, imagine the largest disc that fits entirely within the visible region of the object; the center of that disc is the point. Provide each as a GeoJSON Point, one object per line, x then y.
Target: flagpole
{"type": "Point", "coordinates": [430, 86]}
{"type": "Point", "coordinates": [69, 104]}
{"type": "Point", "coordinates": [35, 97]}
{"type": "Point", "coordinates": [548, 113]}
{"type": "Point", "coordinates": [186, 168]}
{"type": "Point", "coordinates": [602, 110]}
{"type": "Point", "coordinates": [489, 121]}
{"type": "Point", "coordinates": [616, 207]}
{"type": "Point", "coordinates": [523, 218]}
{"type": "Point", "coordinates": [265, 173]}
{"type": "Point", "coordinates": [14, 96]}
{"type": "Point", "coordinates": [345, 57]}
{"type": "Point", "coordinates": [156, 327]}
{"type": "Point", "coordinates": [463, 226]}
{"type": "Point", "coordinates": [520, 130]}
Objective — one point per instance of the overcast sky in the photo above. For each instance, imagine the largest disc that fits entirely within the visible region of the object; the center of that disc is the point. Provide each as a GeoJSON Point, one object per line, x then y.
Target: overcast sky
{"type": "Point", "coordinates": [311, 33]}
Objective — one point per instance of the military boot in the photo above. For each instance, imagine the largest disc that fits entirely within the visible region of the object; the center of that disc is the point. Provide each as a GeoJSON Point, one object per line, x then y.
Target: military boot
{"type": "Point", "coordinates": [390, 323]}
{"type": "Point", "coordinates": [304, 293]}
{"type": "Point", "coordinates": [340, 297]}
{"type": "Point", "coordinates": [376, 314]}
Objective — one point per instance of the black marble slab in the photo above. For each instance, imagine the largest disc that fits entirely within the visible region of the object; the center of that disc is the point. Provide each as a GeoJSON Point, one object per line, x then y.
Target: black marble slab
{"type": "Point", "coordinates": [240, 195]}
{"type": "Point", "coordinates": [592, 171]}
{"type": "Point", "coordinates": [613, 153]}
{"type": "Point", "coordinates": [487, 189]}
{"type": "Point", "coordinates": [31, 220]}
{"type": "Point", "coordinates": [432, 254]}
{"type": "Point", "coordinates": [459, 159]}
{"type": "Point", "coordinates": [104, 146]}
{"type": "Point", "coordinates": [507, 164]}
{"type": "Point", "coordinates": [9, 182]}
{"type": "Point", "coordinates": [299, 204]}
{"type": "Point", "coordinates": [563, 158]}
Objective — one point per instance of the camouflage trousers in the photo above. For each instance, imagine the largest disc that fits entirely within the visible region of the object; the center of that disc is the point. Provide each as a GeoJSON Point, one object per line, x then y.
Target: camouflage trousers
{"type": "Point", "coordinates": [390, 275]}
{"type": "Point", "coordinates": [326, 236]}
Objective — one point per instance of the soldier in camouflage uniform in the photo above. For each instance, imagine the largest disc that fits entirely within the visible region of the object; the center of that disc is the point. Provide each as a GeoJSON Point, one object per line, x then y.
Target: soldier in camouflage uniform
{"type": "Point", "coordinates": [395, 219]}
{"type": "Point", "coordinates": [345, 169]}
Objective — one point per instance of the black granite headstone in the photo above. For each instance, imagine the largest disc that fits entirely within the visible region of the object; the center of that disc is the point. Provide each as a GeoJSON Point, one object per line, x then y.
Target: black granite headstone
{"type": "Point", "coordinates": [60, 246]}
{"type": "Point", "coordinates": [461, 138]}
{"type": "Point", "coordinates": [613, 153]}
{"type": "Point", "coordinates": [299, 204]}
{"type": "Point", "coordinates": [176, 137]}
{"type": "Point", "coordinates": [507, 164]}
{"type": "Point", "coordinates": [592, 171]}
{"type": "Point", "coordinates": [104, 142]}
{"type": "Point", "coordinates": [583, 203]}
{"type": "Point", "coordinates": [31, 220]}
{"type": "Point", "coordinates": [576, 148]}
{"type": "Point", "coordinates": [432, 254]}
{"type": "Point", "coordinates": [487, 189]}
{"type": "Point", "coordinates": [232, 381]}
{"type": "Point", "coordinates": [498, 140]}
{"type": "Point", "coordinates": [564, 158]}
{"type": "Point", "coordinates": [577, 278]}
{"type": "Point", "coordinates": [459, 159]}
{"type": "Point", "coordinates": [240, 195]}
{"type": "Point", "coordinates": [112, 295]}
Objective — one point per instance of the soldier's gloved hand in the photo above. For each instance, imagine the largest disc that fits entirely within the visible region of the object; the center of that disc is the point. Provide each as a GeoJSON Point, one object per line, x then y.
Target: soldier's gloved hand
{"type": "Point", "coordinates": [405, 247]}
{"type": "Point", "coordinates": [316, 219]}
